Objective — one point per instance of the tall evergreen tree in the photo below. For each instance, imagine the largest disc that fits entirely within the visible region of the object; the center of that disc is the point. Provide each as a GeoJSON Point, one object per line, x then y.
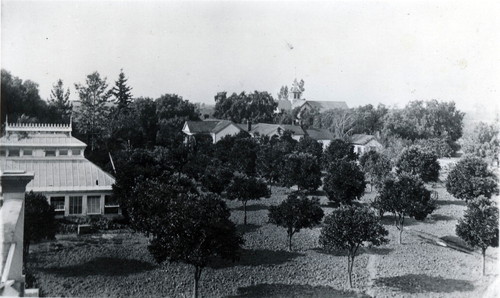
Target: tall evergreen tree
{"type": "Point", "coordinates": [92, 115]}
{"type": "Point", "coordinates": [59, 102]}
{"type": "Point", "coordinates": [121, 91]}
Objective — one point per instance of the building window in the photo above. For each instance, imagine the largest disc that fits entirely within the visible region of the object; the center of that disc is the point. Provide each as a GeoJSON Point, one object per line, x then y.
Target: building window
{"type": "Point", "coordinates": [13, 152]}
{"type": "Point", "coordinates": [58, 204]}
{"type": "Point", "coordinates": [50, 152]}
{"type": "Point", "coordinates": [63, 152]}
{"type": "Point", "coordinates": [93, 204]}
{"type": "Point", "coordinates": [111, 205]}
{"type": "Point", "coordinates": [75, 205]}
{"type": "Point", "coordinates": [76, 152]}
{"type": "Point", "coordinates": [27, 152]}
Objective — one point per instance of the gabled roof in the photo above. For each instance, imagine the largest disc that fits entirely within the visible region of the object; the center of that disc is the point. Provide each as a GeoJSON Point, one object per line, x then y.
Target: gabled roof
{"type": "Point", "coordinates": [361, 139]}
{"type": "Point", "coordinates": [265, 129]}
{"type": "Point", "coordinates": [40, 140]}
{"type": "Point", "coordinates": [320, 134]}
{"type": "Point", "coordinates": [61, 174]}
{"type": "Point", "coordinates": [284, 104]}
{"type": "Point", "coordinates": [326, 105]}
{"type": "Point", "coordinates": [208, 126]}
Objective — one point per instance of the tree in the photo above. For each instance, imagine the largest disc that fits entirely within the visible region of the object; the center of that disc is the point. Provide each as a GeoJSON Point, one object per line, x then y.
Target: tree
{"type": "Point", "coordinates": [483, 141]}
{"type": "Point", "coordinates": [344, 182]}
{"type": "Point", "coordinates": [216, 178]}
{"type": "Point", "coordinates": [92, 116]}
{"type": "Point", "coordinates": [121, 91]}
{"type": "Point", "coordinates": [311, 146]}
{"type": "Point", "coordinates": [59, 102]}
{"type": "Point", "coordinates": [479, 226]}
{"type": "Point", "coordinates": [339, 121]}
{"type": "Point", "coordinates": [245, 188]}
{"type": "Point", "coordinates": [405, 195]}
{"type": "Point", "coordinates": [39, 220]}
{"type": "Point", "coordinates": [253, 107]}
{"type": "Point", "coordinates": [301, 169]}
{"type": "Point", "coordinates": [283, 94]}
{"type": "Point", "coordinates": [337, 150]}
{"type": "Point", "coordinates": [349, 228]}
{"type": "Point", "coordinates": [415, 161]}
{"type": "Point", "coordinates": [377, 166]}
{"type": "Point", "coordinates": [184, 225]}
{"type": "Point", "coordinates": [471, 178]}
{"type": "Point", "coordinates": [295, 213]}
{"type": "Point", "coordinates": [368, 119]}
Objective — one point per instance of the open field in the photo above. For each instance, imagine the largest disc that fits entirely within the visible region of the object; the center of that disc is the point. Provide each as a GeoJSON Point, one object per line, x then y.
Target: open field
{"type": "Point", "coordinates": [118, 263]}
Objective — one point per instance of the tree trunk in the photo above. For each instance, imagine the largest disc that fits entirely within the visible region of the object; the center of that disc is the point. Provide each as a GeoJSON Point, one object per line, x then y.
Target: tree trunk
{"type": "Point", "coordinates": [197, 274]}
{"type": "Point", "coordinates": [245, 213]}
{"type": "Point", "coordinates": [349, 270]}
{"type": "Point", "coordinates": [401, 224]}
{"type": "Point", "coordinates": [290, 241]}
{"type": "Point", "coordinates": [484, 261]}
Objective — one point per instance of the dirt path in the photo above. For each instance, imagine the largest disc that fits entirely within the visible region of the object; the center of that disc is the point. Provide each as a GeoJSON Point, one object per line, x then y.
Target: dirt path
{"type": "Point", "coordinates": [371, 266]}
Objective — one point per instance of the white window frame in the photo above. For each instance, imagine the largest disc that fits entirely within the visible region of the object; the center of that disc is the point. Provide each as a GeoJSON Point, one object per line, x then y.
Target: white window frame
{"type": "Point", "coordinates": [89, 205]}
{"type": "Point", "coordinates": [81, 205]}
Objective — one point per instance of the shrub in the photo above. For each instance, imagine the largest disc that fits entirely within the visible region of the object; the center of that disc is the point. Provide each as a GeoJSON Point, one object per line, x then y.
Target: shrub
{"type": "Point", "coordinates": [344, 182]}
{"type": "Point", "coordinates": [416, 161]}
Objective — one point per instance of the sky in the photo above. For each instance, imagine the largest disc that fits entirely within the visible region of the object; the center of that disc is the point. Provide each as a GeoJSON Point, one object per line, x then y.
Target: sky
{"type": "Point", "coordinates": [360, 52]}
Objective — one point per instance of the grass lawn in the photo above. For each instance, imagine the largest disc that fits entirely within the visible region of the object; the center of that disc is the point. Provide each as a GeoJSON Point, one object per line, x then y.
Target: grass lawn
{"type": "Point", "coordinates": [119, 264]}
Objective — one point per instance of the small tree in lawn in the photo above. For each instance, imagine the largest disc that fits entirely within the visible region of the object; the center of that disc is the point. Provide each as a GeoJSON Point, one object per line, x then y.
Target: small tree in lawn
{"type": "Point", "coordinates": [184, 225]}
{"type": "Point", "coordinates": [377, 166]}
{"type": "Point", "coordinates": [349, 228]}
{"type": "Point", "coordinates": [479, 226]}
{"type": "Point", "coordinates": [471, 178]}
{"type": "Point", "coordinates": [337, 150]}
{"type": "Point", "coordinates": [39, 221]}
{"type": "Point", "coordinates": [303, 170]}
{"type": "Point", "coordinates": [344, 182]}
{"type": "Point", "coordinates": [245, 188]}
{"type": "Point", "coordinates": [405, 195]}
{"type": "Point", "coordinates": [295, 213]}
{"type": "Point", "coordinates": [416, 161]}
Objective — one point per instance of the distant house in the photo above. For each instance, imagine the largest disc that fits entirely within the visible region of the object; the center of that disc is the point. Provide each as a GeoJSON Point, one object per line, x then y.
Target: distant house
{"type": "Point", "coordinates": [73, 185]}
{"type": "Point", "coordinates": [270, 130]}
{"type": "Point", "coordinates": [321, 106]}
{"type": "Point", "coordinates": [322, 136]}
{"type": "Point", "coordinates": [363, 143]}
{"type": "Point", "coordinates": [216, 129]}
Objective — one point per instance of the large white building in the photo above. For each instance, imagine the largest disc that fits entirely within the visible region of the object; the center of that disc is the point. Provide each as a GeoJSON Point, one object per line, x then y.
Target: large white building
{"type": "Point", "coordinates": [72, 184]}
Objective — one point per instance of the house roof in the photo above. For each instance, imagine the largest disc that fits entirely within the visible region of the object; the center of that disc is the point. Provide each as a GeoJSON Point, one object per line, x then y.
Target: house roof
{"type": "Point", "coordinates": [265, 129]}
{"type": "Point", "coordinates": [284, 104]}
{"type": "Point", "coordinates": [320, 134]}
{"type": "Point", "coordinates": [361, 139]}
{"type": "Point", "coordinates": [208, 126]}
{"type": "Point", "coordinates": [58, 174]}
{"type": "Point", "coordinates": [40, 140]}
{"type": "Point", "coordinates": [326, 105]}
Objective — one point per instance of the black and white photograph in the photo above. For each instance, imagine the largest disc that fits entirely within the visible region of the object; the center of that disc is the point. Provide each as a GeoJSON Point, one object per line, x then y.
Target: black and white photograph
{"type": "Point", "coordinates": [250, 148]}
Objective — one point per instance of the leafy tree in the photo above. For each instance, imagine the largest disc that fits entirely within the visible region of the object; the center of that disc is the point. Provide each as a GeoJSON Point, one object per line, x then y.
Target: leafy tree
{"type": "Point", "coordinates": [184, 226]}
{"type": "Point", "coordinates": [254, 107]}
{"type": "Point", "coordinates": [344, 182]}
{"type": "Point", "coordinates": [283, 94]}
{"type": "Point", "coordinates": [239, 152]}
{"type": "Point", "coordinates": [39, 220]}
{"type": "Point", "coordinates": [59, 102]}
{"type": "Point", "coordinates": [349, 228]}
{"type": "Point", "coordinates": [339, 121]}
{"type": "Point", "coordinates": [368, 119]}
{"type": "Point", "coordinates": [311, 146]}
{"type": "Point", "coordinates": [437, 146]}
{"type": "Point", "coordinates": [269, 160]}
{"type": "Point", "coordinates": [377, 166]}
{"type": "Point", "coordinates": [21, 97]}
{"type": "Point", "coordinates": [216, 178]}
{"type": "Point", "coordinates": [121, 91]}
{"type": "Point", "coordinates": [245, 188]}
{"type": "Point", "coordinates": [483, 141]}
{"type": "Point", "coordinates": [337, 150]}
{"type": "Point", "coordinates": [415, 161]}
{"type": "Point", "coordinates": [471, 178]}
{"type": "Point", "coordinates": [303, 170]}
{"type": "Point", "coordinates": [92, 116]}
{"type": "Point", "coordinates": [295, 213]}
{"type": "Point", "coordinates": [405, 195]}
{"type": "Point", "coordinates": [479, 226]}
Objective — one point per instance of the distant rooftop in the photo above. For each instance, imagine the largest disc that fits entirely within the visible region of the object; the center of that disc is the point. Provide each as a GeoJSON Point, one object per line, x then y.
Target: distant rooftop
{"type": "Point", "coordinates": [326, 105]}
{"type": "Point", "coordinates": [37, 127]}
{"type": "Point", "coordinates": [41, 140]}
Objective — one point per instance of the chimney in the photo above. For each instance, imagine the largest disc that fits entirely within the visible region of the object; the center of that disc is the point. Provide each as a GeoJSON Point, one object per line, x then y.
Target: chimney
{"type": "Point", "coordinates": [249, 125]}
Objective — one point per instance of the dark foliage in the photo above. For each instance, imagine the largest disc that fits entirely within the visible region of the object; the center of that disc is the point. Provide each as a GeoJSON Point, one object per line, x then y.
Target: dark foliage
{"type": "Point", "coordinates": [344, 182]}
{"type": "Point", "coordinates": [254, 107]}
{"type": "Point", "coordinates": [39, 220]}
{"type": "Point", "coordinates": [416, 161]}
{"type": "Point", "coordinates": [337, 150]}
{"type": "Point", "coordinates": [301, 169]}
{"type": "Point", "coordinates": [377, 166]}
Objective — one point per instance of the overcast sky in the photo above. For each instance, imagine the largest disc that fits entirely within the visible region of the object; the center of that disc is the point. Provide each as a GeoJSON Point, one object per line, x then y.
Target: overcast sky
{"type": "Point", "coordinates": [360, 52]}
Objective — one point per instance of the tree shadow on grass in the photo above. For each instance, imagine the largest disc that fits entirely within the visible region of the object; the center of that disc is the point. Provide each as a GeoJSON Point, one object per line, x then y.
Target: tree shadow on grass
{"type": "Point", "coordinates": [258, 257]}
{"type": "Point", "coordinates": [439, 217]}
{"type": "Point", "coordinates": [377, 250]}
{"type": "Point", "coordinates": [294, 290]}
{"type": "Point", "coordinates": [388, 219]}
{"type": "Point", "coordinates": [248, 228]}
{"type": "Point", "coordinates": [102, 266]}
{"type": "Point", "coordinates": [451, 202]}
{"type": "Point", "coordinates": [337, 253]}
{"type": "Point", "coordinates": [421, 283]}
{"type": "Point", "coordinates": [255, 207]}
